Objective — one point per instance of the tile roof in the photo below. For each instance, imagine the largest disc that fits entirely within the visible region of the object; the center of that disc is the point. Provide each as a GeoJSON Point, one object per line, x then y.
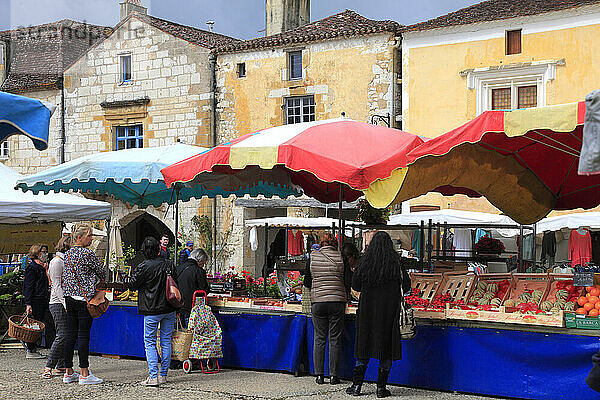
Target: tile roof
{"type": "Point", "coordinates": [39, 54]}
{"type": "Point", "coordinates": [344, 24]}
{"type": "Point", "coordinates": [197, 36]}
{"type": "Point", "coordinates": [492, 10]}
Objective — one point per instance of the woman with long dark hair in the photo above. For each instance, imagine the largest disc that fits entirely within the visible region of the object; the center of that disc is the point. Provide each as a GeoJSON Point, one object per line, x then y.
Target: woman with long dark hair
{"type": "Point", "coordinates": [379, 277]}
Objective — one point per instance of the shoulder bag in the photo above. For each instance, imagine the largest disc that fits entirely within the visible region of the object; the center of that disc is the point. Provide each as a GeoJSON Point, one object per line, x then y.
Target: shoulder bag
{"type": "Point", "coordinates": [408, 327]}
{"type": "Point", "coordinates": [98, 304]}
{"type": "Point", "coordinates": [172, 291]}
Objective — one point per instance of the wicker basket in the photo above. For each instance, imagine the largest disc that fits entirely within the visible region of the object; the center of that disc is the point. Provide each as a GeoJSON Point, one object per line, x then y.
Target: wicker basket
{"type": "Point", "coordinates": [22, 333]}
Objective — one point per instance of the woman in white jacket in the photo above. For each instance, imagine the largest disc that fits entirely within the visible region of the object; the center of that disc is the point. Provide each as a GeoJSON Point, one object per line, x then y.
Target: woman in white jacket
{"type": "Point", "coordinates": [57, 309]}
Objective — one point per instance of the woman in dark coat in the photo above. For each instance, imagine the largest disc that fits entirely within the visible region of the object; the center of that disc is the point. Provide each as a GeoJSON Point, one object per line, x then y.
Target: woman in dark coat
{"type": "Point", "coordinates": [379, 277]}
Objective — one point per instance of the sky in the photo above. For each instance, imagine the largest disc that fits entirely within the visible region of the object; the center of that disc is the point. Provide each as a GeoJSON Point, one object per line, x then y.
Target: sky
{"type": "Point", "coordinates": [243, 19]}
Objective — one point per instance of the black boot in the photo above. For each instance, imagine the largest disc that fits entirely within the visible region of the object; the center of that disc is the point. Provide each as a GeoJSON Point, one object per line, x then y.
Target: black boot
{"type": "Point", "coordinates": [358, 376]}
{"type": "Point", "coordinates": [320, 379]}
{"type": "Point", "coordinates": [382, 378]}
{"type": "Point", "coordinates": [334, 380]}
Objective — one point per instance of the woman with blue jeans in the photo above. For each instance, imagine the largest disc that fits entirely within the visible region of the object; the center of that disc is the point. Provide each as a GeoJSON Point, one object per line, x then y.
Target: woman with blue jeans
{"type": "Point", "coordinates": [150, 279]}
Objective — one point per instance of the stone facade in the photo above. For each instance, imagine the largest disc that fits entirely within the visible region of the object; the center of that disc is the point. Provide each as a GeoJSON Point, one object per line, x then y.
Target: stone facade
{"type": "Point", "coordinates": [23, 157]}
{"type": "Point", "coordinates": [355, 76]}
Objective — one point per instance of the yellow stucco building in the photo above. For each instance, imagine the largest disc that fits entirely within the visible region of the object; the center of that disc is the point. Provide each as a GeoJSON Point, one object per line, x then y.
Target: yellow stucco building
{"type": "Point", "coordinates": [495, 56]}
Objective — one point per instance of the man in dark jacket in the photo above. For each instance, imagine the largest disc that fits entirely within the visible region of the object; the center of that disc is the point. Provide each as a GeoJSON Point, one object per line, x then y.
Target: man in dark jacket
{"type": "Point", "coordinates": [191, 276]}
{"type": "Point", "coordinates": [150, 280]}
{"type": "Point", "coordinates": [186, 251]}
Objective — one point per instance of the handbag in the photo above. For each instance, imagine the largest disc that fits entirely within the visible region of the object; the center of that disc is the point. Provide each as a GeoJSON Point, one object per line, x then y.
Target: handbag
{"type": "Point", "coordinates": [408, 327]}
{"type": "Point", "coordinates": [172, 291]}
{"type": "Point", "coordinates": [98, 304]}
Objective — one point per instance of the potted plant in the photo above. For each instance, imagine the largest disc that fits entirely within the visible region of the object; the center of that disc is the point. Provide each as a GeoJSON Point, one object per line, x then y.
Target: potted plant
{"type": "Point", "coordinates": [489, 246]}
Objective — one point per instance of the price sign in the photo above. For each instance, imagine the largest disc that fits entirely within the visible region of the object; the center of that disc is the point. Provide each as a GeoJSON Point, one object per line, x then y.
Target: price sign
{"type": "Point", "coordinates": [583, 279]}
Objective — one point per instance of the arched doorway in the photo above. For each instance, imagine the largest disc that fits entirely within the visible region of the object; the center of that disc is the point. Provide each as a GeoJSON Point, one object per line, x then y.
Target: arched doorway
{"type": "Point", "coordinates": [137, 226]}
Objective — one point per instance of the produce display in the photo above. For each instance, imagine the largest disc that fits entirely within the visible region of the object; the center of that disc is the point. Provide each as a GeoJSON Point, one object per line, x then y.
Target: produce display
{"type": "Point", "coordinates": [589, 304]}
{"type": "Point", "coordinates": [489, 293]}
{"type": "Point", "coordinates": [439, 302]}
{"type": "Point", "coordinates": [11, 288]}
{"type": "Point", "coordinates": [128, 295]}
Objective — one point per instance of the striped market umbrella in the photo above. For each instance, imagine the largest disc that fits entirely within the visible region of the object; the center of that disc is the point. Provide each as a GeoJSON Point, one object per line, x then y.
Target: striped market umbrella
{"type": "Point", "coordinates": [331, 160]}
{"type": "Point", "coordinates": [523, 161]}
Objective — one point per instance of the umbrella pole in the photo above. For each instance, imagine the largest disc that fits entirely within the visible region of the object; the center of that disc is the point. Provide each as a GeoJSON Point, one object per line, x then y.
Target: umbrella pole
{"type": "Point", "coordinates": [341, 235]}
{"type": "Point", "coordinates": [176, 223]}
{"type": "Point", "coordinates": [108, 249]}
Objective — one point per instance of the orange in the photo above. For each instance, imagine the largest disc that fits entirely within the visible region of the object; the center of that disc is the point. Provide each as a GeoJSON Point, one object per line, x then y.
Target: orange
{"type": "Point", "coordinates": [593, 299]}
{"type": "Point", "coordinates": [595, 292]}
{"type": "Point", "coordinates": [581, 311]}
{"type": "Point", "coordinates": [597, 305]}
{"type": "Point", "coordinates": [582, 300]}
{"type": "Point", "coordinates": [588, 288]}
{"type": "Point", "coordinates": [593, 313]}
{"type": "Point", "coordinates": [588, 306]}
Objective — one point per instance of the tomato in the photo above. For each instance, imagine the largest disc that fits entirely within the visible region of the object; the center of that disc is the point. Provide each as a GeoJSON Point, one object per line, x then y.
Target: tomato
{"type": "Point", "coordinates": [582, 300]}
{"type": "Point", "coordinates": [581, 311]}
{"type": "Point", "coordinates": [569, 288]}
{"type": "Point", "coordinates": [597, 305]}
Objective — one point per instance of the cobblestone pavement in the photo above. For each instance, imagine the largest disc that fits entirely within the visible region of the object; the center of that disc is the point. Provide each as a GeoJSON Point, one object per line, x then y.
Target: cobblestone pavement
{"type": "Point", "coordinates": [21, 379]}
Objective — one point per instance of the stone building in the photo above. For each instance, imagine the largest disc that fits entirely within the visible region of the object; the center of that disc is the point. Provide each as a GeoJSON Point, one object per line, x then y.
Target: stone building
{"type": "Point", "coordinates": [344, 63]}
{"type": "Point", "coordinates": [147, 84]}
{"type": "Point", "coordinates": [32, 61]}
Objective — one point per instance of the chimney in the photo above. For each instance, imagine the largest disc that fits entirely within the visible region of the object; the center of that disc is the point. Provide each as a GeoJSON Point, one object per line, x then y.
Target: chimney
{"type": "Point", "coordinates": [129, 6]}
{"type": "Point", "coordinates": [283, 15]}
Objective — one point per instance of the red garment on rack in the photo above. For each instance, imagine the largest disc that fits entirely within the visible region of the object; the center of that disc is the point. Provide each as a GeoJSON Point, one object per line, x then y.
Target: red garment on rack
{"type": "Point", "coordinates": [580, 248]}
{"type": "Point", "coordinates": [295, 243]}
{"type": "Point", "coordinates": [300, 242]}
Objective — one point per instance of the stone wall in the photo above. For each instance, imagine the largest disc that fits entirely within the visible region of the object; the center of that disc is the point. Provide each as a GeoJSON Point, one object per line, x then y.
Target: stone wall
{"type": "Point", "coordinates": [23, 156]}
{"type": "Point", "coordinates": [172, 73]}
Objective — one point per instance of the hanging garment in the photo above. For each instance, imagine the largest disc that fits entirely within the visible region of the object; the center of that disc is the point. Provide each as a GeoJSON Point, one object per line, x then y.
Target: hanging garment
{"type": "Point", "coordinates": [299, 238]}
{"type": "Point", "coordinates": [253, 239]}
{"type": "Point", "coordinates": [310, 240]}
{"type": "Point", "coordinates": [528, 243]}
{"type": "Point", "coordinates": [416, 242]}
{"type": "Point", "coordinates": [462, 242]}
{"type": "Point", "coordinates": [589, 159]}
{"type": "Point", "coordinates": [580, 248]}
{"type": "Point", "coordinates": [548, 247]}
{"type": "Point", "coordinates": [479, 233]}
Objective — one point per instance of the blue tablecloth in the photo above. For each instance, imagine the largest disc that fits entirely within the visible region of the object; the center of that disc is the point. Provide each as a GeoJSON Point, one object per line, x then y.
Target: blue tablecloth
{"type": "Point", "coordinates": [486, 361]}
{"type": "Point", "coordinates": [254, 341]}
{"type": "Point", "coordinates": [475, 360]}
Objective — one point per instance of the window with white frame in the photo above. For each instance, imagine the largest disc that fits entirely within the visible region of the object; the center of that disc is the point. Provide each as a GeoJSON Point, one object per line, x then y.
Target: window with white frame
{"type": "Point", "coordinates": [511, 87]}
{"type": "Point", "coordinates": [125, 68]}
{"type": "Point", "coordinates": [4, 150]}
{"type": "Point", "coordinates": [299, 109]}
{"type": "Point", "coordinates": [294, 64]}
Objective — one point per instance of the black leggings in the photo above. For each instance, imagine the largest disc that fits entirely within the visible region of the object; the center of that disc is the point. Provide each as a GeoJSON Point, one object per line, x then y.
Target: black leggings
{"type": "Point", "coordinates": [79, 325]}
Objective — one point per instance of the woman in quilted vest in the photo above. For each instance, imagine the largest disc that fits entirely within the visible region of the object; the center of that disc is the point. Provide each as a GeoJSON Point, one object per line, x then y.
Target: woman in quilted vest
{"type": "Point", "coordinates": [379, 277]}
{"type": "Point", "coordinates": [325, 279]}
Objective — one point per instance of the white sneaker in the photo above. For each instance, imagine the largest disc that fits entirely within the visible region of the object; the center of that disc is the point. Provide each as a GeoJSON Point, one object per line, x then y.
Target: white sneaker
{"type": "Point", "coordinates": [71, 378]}
{"type": "Point", "coordinates": [90, 380]}
{"type": "Point", "coordinates": [150, 382]}
{"type": "Point", "coordinates": [162, 379]}
{"type": "Point", "coordinates": [34, 355]}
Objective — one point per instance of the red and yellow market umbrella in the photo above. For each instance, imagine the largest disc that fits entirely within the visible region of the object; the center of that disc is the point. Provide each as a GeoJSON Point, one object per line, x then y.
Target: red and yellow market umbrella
{"type": "Point", "coordinates": [330, 160]}
{"type": "Point", "coordinates": [523, 161]}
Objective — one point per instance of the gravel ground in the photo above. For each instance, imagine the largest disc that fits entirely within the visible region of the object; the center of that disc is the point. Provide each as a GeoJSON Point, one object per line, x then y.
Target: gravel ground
{"type": "Point", "coordinates": [21, 379]}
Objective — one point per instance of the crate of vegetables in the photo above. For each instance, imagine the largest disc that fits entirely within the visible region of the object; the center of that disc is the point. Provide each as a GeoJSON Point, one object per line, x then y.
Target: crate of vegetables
{"type": "Point", "coordinates": [560, 294]}
{"type": "Point", "coordinates": [588, 303]}
{"type": "Point", "coordinates": [426, 284]}
{"type": "Point", "coordinates": [527, 289]}
{"type": "Point", "coordinates": [489, 290]}
{"type": "Point", "coordinates": [457, 285]}
{"type": "Point", "coordinates": [421, 296]}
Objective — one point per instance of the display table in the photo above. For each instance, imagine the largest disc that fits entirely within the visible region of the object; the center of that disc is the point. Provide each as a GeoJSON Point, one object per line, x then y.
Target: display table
{"type": "Point", "coordinates": [252, 340]}
{"type": "Point", "coordinates": [511, 361]}
{"type": "Point", "coordinates": [498, 362]}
